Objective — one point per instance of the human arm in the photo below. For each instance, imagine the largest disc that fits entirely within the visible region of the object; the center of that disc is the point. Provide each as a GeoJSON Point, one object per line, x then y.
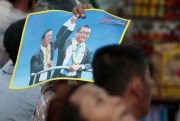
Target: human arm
{"type": "Point", "coordinates": [65, 31]}
{"type": "Point", "coordinates": [85, 65]}
{"type": "Point", "coordinates": [48, 64]}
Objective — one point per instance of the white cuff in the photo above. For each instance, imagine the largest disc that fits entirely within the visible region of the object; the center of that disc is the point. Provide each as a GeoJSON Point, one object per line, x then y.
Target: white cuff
{"type": "Point", "coordinates": [70, 25]}
{"type": "Point", "coordinates": [82, 67]}
{"type": "Point", "coordinates": [67, 23]}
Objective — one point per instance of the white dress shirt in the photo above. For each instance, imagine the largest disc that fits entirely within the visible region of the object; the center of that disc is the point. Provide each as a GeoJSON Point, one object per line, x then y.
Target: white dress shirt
{"type": "Point", "coordinates": [43, 76]}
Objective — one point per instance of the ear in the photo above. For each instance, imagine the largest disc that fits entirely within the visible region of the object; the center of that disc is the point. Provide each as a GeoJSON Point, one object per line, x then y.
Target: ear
{"type": "Point", "coordinates": [137, 87]}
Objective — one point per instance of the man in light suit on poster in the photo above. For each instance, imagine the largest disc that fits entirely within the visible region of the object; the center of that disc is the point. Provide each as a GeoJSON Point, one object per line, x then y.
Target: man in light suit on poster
{"type": "Point", "coordinates": [43, 58]}
{"type": "Point", "coordinates": [74, 53]}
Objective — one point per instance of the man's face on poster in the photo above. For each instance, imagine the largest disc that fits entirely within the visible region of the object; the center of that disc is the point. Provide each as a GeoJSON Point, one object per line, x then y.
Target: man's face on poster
{"type": "Point", "coordinates": [47, 39]}
{"type": "Point", "coordinates": [83, 34]}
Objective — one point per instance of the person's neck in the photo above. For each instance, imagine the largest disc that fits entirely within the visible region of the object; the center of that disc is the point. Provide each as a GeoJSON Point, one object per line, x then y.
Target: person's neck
{"type": "Point", "coordinates": [79, 42]}
{"type": "Point", "coordinates": [132, 107]}
{"type": "Point", "coordinates": [44, 46]}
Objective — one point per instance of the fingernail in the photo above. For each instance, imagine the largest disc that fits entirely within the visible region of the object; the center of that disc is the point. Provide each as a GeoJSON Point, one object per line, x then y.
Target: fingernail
{"type": "Point", "coordinates": [77, 15]}
{"type": "Point", "coordinates": [83, 15]}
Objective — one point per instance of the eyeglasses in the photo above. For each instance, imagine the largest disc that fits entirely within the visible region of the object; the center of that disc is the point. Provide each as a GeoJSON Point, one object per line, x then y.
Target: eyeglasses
{"type": "Point", "coordinates": [85, 33]}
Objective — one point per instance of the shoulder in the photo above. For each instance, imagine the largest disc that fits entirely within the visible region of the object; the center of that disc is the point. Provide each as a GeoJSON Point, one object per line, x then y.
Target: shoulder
{"type": "Point", "coordinates": [52, 44]}
{"type": "Point", "coordinates": [37, 54]}
{"type": "Point", "coordinates": [69, 40]}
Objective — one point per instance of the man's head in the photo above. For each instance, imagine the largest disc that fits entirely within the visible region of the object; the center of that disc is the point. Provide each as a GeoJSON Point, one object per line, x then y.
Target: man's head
{"type": "Point", "coordinates": [47, 37]}
{"type": "Point", "coordinates": [66, 5]}
{"type": "Point", "coordinates": [97, 105]}
{"type": "Point", "coordinates": [12, 39]}
{"type": "Point", "coordinates": [25, 6]}
{"type": "Point", "coordinates": [83, 33]}
{"type": "Point", "coordinates": [88, 103]}
{"type": "Point", "coordinates": [121, 70]}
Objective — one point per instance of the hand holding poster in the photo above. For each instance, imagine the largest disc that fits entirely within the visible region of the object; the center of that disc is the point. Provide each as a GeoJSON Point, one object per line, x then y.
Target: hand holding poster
{"type": "Point", "coordinates": [56, 44]}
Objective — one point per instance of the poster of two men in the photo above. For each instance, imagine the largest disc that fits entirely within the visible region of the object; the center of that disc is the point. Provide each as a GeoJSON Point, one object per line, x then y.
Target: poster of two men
{"type": "Point", "coordinates": [56, 44]}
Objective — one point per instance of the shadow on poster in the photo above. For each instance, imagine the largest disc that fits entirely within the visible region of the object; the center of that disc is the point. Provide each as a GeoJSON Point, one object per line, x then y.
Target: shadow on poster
{"type": "Point", "coordinates": [57, 45]}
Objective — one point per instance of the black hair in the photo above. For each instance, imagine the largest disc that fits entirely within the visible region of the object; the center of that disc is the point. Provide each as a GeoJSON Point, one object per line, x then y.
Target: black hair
{"type": "Point", "coordinates": [30, 3]}
{"type": "Point", "coordinates": [48, 30]}
{"type": "Point", "coordinates": [115, 65]}
{"type": "Point", "coordinates": [48, 86]}
{"type": "Point", "coordinates": [12, 1]}
{"type": "Point", "coordinates": [62, 109]}
{"type": "Point", "coordinates": [85, 26]}
{"type": "Point", "coordinates": [66, 5]}
{"type": "Point", "coordinates": [12, 38]}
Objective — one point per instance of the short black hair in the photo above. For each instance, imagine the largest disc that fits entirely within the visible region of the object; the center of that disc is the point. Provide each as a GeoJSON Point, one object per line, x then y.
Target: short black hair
{"type": "Point", "coordinates": [85, 26]}
{"type": "Point", "coordinates": [115, 65]}
{"type": "Point", "coordinates": [48, 30]}
{"type": "Point", "coordinates": [66, 5]}
{"type": "Point", "coordinates": [12, 1]}
{"type": "Point", "coordinates": [62, 109]}
{"type": "Point", "coordinates": [12, 38]}
{"type": "Point", "coordinates": [30, 3]}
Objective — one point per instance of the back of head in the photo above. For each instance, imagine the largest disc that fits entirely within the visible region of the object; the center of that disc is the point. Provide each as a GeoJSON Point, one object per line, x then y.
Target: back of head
{"type": "Point", "coordinates": [61, 109]}
{"type": "Point", "coordinates": [12, 39]}
{"type": "Point", "coordinates": [115, 65]}
{"type": "Point", "coordinates": [66, 5]}
{"type": "Point", "coordinates": [12, 1]}
{"type": "Point", "coordinates": [24, 6]}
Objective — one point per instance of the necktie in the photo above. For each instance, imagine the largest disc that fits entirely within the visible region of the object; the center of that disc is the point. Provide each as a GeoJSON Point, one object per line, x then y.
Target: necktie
{"type": "Point", "coordinates": [46, 55]}
{"type": "Point", "coordinates": [77, 49]}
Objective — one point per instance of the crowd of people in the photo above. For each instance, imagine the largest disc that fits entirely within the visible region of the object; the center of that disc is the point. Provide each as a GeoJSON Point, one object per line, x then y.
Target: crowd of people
{"type": "Point", "coordinates": [121, 90]}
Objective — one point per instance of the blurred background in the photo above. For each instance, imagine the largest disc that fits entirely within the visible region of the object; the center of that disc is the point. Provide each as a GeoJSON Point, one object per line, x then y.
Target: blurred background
{"type": "Point", "coordinates": [155, 28]}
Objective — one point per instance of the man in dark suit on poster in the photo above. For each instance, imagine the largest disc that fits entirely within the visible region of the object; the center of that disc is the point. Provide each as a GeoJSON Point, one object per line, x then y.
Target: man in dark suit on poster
{"type": "Point", "coordinates": [74, 54]}
{"type": "Point", "coordinates": [44, 57]}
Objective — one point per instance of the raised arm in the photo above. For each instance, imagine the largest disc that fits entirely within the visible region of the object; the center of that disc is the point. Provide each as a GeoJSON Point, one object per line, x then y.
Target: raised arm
{"type": "Point", "coordinates": [69, 25]}
{"type": "Point", "coordinates": [65, 31]}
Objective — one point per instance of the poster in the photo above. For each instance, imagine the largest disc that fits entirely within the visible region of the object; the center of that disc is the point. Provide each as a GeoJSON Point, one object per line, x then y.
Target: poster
{"type": "Point", "coordinates": [57, 45]}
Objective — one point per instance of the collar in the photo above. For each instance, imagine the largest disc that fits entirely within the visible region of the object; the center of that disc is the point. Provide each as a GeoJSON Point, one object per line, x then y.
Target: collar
{"type": "Point", "coordinates": [76, 42]}
{"type": "Point", "coordinates": [44, 48]}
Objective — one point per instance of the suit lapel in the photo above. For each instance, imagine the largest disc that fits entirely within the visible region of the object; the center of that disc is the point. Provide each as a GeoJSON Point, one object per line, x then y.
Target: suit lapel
{"type": "Point", "coordinates": [84, 55]}
{"type": "Point", "coordinates": [52, 51]}
{"type": "Point", "coordinates": [41, 56]}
